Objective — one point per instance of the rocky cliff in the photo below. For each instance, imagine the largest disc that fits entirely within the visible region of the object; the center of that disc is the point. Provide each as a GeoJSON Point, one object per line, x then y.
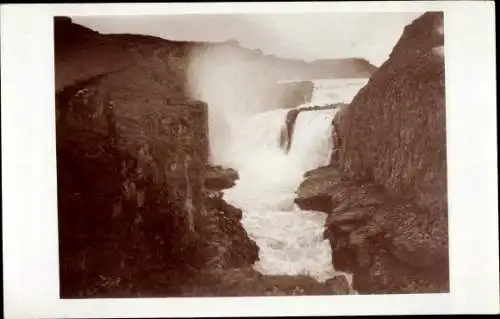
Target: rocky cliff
{"type": "Point", "coordinates": [140, 211]}
{"type": "Point", "coordinates": [386, 190]}
{"type": "Point", "coordinates": [135, 217]}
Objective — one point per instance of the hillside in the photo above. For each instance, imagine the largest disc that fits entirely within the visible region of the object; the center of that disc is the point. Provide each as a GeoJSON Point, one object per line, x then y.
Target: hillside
{"type": "Point", "coordinates": [100, 53]}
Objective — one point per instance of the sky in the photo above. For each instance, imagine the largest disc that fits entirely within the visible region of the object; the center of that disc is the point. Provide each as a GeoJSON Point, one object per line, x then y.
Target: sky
{"type": "Point", "coordinates": [302, 36]}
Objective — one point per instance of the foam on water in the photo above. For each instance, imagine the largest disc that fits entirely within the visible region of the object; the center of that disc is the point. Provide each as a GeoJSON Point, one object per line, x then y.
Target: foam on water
{"type": "Point", "coordinates": [244, 135]}
{"type": "Point", "coordinates": [312, 139]}
{"type": "Point", "coordinates": [329, 91]}
{"type": "Point", "coordinates": [290, 240]}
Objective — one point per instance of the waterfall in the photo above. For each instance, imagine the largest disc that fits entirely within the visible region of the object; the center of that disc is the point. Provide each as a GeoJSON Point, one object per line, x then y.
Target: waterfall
{"type": "Point", "coordinates": [245, 132]}
{"type": "Point", "coordinates": [329, 91]}
{"type": "Point", "coordinates": [290, 240]}
{"type": "Point", "coordinates": [312, 139]}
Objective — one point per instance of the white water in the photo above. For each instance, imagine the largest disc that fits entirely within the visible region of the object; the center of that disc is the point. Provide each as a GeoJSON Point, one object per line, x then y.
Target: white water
{"type": "Point", "coordinates": [244, 136]}
{"type": "Point", "coordinates": [329, 91]}
{"type": "Point", "coordinates": [290, 240]}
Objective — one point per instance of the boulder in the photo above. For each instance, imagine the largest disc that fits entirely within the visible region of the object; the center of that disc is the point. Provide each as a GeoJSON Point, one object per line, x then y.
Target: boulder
{"type": "Point", "coordinates": [314, 193]}
{"type": "Point", "coordinates": [218, 177]}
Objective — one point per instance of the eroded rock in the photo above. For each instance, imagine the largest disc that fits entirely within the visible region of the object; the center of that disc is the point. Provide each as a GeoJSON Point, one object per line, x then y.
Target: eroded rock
{"type": "Point", "coordinates": [132, 151]}
{"type": "Point", "coordinates": [218, 177]}
{"type": "Point", "coordinates": [393, 145]}
{"type": "Point", "coordinates": [314, 193]}
{"type": "Point", "coordinates": [387, 220]}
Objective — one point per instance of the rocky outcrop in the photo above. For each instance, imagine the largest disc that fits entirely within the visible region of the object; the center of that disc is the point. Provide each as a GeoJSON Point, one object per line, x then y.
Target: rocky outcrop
{"type": "Point", "coordinates": [387, 218]}
{"type": "Point", "coordinates": [393, 137]}
{"type": "Point", "coordinates": [314, 193]}
{"type": "Point", "coordinates": [218, 177]}
{"type": "Point", "coordinates": [135, 217]}
{"type": "Point", "coordinates": [247, 282]}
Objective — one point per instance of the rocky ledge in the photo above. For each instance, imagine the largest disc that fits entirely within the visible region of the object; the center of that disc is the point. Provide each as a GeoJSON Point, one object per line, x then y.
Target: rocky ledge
{"type": "Point", "coordinates": [385, 192]}
{"type": "Point", "coordinates": [248, 282]}
{"type": "Point", "coordinates": [218, 177]}
{"type": "Point", "coordinates": [315, 191]}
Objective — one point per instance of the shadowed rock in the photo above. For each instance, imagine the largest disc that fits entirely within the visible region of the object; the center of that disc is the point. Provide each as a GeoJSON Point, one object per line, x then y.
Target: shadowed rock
{"type": "Point", "coordinates": [248, 282]}
{"type": "Point", "coordinates": [132, 151]}
{"type": "Point", "coordinates": [217, 177]}
{"type": "Point", "coordinates": [393, 136]}
{"type": "Point", "coordinates": [387, 220]}
{"type": "Point", "coordinates": [314, 193]}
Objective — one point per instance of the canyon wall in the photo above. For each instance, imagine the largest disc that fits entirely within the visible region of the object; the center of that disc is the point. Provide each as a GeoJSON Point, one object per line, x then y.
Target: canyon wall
{"type": "Point", "coordinates": [385, 190]}
{"type": "Point", "coordinates": [135, 215]}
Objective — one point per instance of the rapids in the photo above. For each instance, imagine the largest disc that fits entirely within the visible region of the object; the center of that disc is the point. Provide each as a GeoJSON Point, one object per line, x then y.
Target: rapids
{"type": "Point", "coordinates": [290, 240]}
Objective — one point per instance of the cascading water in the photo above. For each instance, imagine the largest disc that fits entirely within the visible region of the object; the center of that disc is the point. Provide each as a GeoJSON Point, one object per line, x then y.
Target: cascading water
{"type": "Point", "coordinates": [245, 135]}
{"type": "Point", "coordinates": [329, 91]}
{"type": "Point", "coordinates": [312, 142]}
{"type": "Point", "coordinates": [290, 240]}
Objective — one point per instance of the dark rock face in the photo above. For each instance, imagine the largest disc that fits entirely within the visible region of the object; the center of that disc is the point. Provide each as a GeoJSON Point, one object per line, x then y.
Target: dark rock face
{"type": "Point", "coordinates": [385, 189]}
{"type": "Point", "coordinates": [132, 152]}
{"type": "Point", "coordinates": [121, 177]}
{"type": "Point", "coordinates": [286, 133]}
{"type": "Point", "coordinates": [247, 282]}
{"type": "Point", "coordinates": [407, 96]}
{"type": "Point", "coordinates": [336, 140]}
{"type": "Point", "coordinates": [223, 234]}
{"type": "Point", "coordinates": [217, 177]}
{"type": "Point", "coordinates": [388, 223]}
{"type": "Point", "coordinates": [315, 192]}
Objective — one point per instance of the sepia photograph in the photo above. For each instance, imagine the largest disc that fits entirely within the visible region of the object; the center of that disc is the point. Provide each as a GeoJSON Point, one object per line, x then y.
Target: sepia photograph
{"type": "Point", "coordinates": [251, 154]}
{"type": "Point", "coordinates": [226, 159]}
